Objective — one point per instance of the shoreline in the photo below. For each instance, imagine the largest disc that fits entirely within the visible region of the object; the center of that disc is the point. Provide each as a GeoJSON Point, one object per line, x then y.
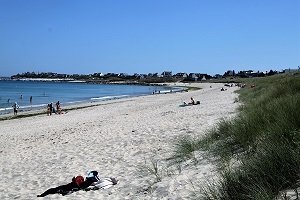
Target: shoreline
{"type": "Point", "coordinates": [25, 109]}
{"type": "Point", "coordinates": [118, 139]}
{"type": "Point", "coordinates": [33, 111]}
{"type": "Point", "coordinates": [43, 111]}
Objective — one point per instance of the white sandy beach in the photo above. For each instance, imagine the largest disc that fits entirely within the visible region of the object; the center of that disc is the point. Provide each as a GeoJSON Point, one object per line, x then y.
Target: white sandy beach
{"type": "Point", "coordinates": [118, 138]}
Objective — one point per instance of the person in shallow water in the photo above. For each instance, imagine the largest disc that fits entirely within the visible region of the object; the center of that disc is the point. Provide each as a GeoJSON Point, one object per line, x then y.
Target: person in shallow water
{"type": "Point", "coordinates": [78, 183]}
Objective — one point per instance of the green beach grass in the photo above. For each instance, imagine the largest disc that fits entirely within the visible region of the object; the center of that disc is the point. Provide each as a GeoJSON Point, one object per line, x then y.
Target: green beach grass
{"type": "Point", "coordinates": [258, 152]}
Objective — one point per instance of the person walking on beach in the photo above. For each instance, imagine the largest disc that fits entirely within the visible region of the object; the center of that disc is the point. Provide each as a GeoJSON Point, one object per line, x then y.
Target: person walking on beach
{"type": "Point", "coordinates": [15, 107]}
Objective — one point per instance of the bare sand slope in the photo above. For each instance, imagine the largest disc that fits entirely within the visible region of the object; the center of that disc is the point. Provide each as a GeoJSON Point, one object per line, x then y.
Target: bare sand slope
{"type": "Point", "coordinates": [119, 139]}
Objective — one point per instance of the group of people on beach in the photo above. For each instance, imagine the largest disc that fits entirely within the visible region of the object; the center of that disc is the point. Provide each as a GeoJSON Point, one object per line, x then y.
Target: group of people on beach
{"type": "Point", "coordinates": [192, 102]}
{"type": "Point", "coordinates": [51, 109]}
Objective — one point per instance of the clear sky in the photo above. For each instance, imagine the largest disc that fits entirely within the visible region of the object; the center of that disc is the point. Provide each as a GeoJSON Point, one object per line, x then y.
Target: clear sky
{"type": "Point", "coordinates": [145, 36]}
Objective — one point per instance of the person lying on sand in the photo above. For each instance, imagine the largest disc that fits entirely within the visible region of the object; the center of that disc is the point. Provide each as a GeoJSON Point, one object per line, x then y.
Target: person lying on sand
{"type": "Point", "coordinates": [65, 189]}
{"type": "Point", "coordinates": [77, 183]}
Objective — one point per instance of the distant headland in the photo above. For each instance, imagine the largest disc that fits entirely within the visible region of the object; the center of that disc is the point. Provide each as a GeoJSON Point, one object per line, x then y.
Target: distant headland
{"type": "Point", "coordinates": [166, 76]}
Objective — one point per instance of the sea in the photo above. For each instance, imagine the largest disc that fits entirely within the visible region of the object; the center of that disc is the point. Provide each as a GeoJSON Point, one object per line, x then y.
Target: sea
{"type": "Point", "coordinates": [42, 93]}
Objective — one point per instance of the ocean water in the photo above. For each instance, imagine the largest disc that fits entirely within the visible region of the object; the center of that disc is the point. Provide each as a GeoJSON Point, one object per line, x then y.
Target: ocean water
{"type": "Point", "coordinates": [44, 92]}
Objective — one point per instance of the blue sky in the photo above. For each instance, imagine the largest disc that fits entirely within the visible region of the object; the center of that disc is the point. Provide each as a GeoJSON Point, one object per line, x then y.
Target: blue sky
{"type": "Point", "coordinates": [143, 36]}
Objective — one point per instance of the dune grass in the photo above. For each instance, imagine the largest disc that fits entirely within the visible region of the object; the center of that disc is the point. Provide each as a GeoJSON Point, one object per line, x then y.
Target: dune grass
{"type": "Point", "coordinates": [185, 150]}
{"type": "Point", "coordinates": [264, 139]}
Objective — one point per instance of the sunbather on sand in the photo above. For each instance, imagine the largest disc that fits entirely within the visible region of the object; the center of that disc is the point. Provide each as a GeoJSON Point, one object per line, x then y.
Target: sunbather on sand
{"type": "Point", "coordinates": [65, 189]}
{"type": "Point", "coordinates": [77, 183]}
{"type": "Point", "coordinates": [192, 102]}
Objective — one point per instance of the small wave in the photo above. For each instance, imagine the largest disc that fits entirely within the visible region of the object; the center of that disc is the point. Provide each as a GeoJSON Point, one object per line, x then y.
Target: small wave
{"type": "Point", "coordinates": [164, 91]}
{"type": "Point", "coordinates": [4, 109]}
{"type": "Point", "coordinates": [169, 91]}
{"type": "Point", "coordinates": [74, 102]}
{"type": "Point", "coordinates": [109, 97]}
{"type": "Point", "coordinates": [24, 107]}
{"type": "Point", "coordinates": [77, 81]}
{"type": "Point", "coordinates": [33, 106]}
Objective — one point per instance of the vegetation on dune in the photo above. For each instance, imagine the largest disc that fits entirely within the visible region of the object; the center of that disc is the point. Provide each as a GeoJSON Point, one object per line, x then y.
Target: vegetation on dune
{"type": "Point", "coordinates": [259, 151]}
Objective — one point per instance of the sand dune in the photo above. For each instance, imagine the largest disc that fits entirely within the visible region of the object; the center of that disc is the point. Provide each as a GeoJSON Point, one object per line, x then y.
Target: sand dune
{"type": "Point", "coordinates": [118, 138]}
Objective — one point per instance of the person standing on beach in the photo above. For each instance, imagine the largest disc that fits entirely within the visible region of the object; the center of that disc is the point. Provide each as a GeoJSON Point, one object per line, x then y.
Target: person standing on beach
{"type": "Point", "coordinates": [58, 107]}
{"type": "Point", "coordinates": [15, 107]}
{"type": "Point", "coordinates": [30, 99]}
{"type": "Point", "coordinates": [51, 108]}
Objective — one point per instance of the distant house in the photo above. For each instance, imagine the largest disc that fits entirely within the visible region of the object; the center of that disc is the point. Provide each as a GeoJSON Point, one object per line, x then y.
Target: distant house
{"type": "Point", "coordinates": [142, 76]}
{"type": "Point", "coordinates": [60, 75]}
{"type": "Point", "coordinates": [167, 74]}
{"type": "Point", "coordinates": [291, 70]}
{"type": "Point", "coordinates": [198, 76]}
{"type": "Point", "coordinates": [139, 76]}
{"type": "Point", "coordinates": [155, 75]}
{"type": "Point", "coordinates": [229, 73]}
{"type": "Point", "coordinates": [250, 74]}
{"type": "Point", "coordinates": [181, 75]}
{"type": "Point", "coordinates": [136, 75]}
{"type": "Point", "coordinates": [193, 76]}
{"type": "Point", "coordinates": [217, 76]}
{"type": "Point", "coordinates": [123, 75]}
{"type": "Point", "coordinates": [111, 75]}
{"type": "Point", "coordinates": [75, 75]}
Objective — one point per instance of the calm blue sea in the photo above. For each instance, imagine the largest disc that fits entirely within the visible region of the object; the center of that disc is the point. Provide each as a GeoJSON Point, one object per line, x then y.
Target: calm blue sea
{"type": "Point", "coordinates": [66, 92]}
